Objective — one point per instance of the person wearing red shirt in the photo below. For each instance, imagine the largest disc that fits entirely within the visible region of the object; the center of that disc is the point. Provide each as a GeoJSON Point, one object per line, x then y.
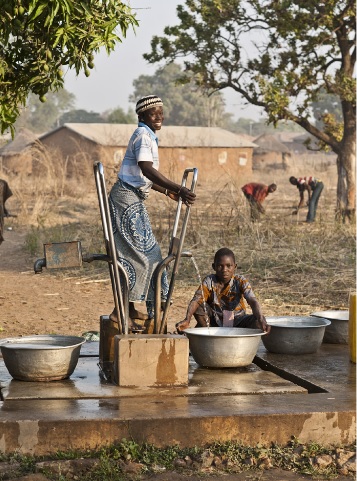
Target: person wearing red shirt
{"type": "Point", "coordinates": [256, 193]}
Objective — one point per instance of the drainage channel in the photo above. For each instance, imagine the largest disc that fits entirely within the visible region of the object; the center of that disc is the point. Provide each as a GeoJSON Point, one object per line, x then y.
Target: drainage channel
{"type": "Point", "coordinates": [288, 376]}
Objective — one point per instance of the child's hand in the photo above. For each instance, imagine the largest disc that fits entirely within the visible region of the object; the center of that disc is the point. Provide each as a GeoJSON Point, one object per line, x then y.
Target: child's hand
{"type": "Point", "coordinates": [264, 325]}
{"type": "Point", "coordinates": [182, 325]}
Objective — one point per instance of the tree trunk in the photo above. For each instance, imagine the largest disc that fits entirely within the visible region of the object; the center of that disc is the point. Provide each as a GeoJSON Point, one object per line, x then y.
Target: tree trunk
{"type": "Point", "coordinates": [346, 184]}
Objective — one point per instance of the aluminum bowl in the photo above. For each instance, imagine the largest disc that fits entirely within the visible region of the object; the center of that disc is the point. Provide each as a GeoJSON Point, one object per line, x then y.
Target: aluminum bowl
{"type": "Point", "coordinates": [295, 334]}
{"type": "Point", "coordinates": [41, 358]}
{"type": "Point", "coordinates": [223, 346]}
{"type": "Point", "coordinates": [337, 331]}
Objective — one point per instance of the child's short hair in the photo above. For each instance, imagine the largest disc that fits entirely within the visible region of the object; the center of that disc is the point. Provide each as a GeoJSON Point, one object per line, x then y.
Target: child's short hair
{"type": "Point", "coordinates": [224, 251]}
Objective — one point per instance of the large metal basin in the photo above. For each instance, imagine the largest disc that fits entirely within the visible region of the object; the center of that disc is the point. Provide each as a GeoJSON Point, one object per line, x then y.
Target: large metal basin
{"type": "Point", "coordinates": [223, 346]}
{"type": "Point", "coordinates": [41, 358]}
{"type": "Point", "coordinates": [337, 331]}
{"type": "Point", "coordinates": [295, 334]}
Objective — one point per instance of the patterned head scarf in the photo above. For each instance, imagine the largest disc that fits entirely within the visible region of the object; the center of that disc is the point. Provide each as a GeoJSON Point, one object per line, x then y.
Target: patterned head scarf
{"type": "Point", "coordinates": [148, 102]}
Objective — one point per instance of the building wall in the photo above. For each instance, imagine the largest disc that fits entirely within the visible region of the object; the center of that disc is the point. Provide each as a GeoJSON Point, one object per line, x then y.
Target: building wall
{"type": "Point", "coordinates": [74, 152]}
{"type": "Point", "coordinates": [271, 160]}
{"type": "Point", "coordinates": [213, 163]}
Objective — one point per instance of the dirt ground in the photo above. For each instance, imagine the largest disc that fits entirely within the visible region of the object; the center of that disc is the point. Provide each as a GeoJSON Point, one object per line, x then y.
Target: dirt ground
{"type": "Point", "coordinates": [48, 303]}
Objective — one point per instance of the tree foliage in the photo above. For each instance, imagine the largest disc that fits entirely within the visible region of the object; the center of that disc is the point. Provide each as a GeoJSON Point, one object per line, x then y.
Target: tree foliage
{"type": "Point", "coordinates": [38, 38]}
{"type": "Point", "coordinates": [80, 116]}
{"type": "Point", "coordinates": [255, 128]}
{"type": "Point", "coordinates": [118, 116]}
{"type": "Point", "coordinates": [41, 117]}
{"type": "Point", "coordinates": [184, 104]}
{"type": "Point", "coordinates": [298, 48]}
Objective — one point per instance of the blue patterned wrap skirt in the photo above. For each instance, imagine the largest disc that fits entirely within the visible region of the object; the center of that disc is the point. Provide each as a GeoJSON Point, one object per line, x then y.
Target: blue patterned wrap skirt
{"type": "Point", "coordinates": [137, 248]}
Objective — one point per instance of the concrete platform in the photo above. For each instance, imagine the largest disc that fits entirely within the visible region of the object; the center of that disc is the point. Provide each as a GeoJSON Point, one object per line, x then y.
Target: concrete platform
{"type": "Point", "coordinates": [311, 397]}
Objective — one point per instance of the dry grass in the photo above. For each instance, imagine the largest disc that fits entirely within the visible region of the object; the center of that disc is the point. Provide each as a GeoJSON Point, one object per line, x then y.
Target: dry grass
{"type": "Point", "coordinates": [294, 267]}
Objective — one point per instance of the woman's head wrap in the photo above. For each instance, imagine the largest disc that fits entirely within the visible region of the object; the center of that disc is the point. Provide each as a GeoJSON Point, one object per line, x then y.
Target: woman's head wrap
{"type": "Point", "coordinates": [148, 102]}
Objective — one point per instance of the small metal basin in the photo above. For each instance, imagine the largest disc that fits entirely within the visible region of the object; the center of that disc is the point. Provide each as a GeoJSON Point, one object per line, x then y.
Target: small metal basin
{"type": "Point", "coordinates": [221, 347]}
{"type": "Point", "coordinates": [295, 334]}
{"type": "Point", "coordinates": [337, 331]}
{"type": "Point", "coordinates": [41, 358]}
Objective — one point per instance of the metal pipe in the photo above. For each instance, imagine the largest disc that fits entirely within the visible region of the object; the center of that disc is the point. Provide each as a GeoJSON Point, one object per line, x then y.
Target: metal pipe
{"type": "Point", "coordinates": [157, 282]}
{"type": "Point", "coordinates": [106, 258]}
{"type": "Point", "coordinates": [175, 251]}
{"type": "Point", "coordinates": [96, 167]}
{"type": "Point", "coordinates": [120, 293]}
{"type": "Point", "coordinates": [39, 264]}
{"type": "Point", "coordinates": [95, 257]}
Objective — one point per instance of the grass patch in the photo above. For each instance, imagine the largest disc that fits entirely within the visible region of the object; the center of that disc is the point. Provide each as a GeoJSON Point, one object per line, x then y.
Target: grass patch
{"type": "Point", "coordinates": [112, 463]}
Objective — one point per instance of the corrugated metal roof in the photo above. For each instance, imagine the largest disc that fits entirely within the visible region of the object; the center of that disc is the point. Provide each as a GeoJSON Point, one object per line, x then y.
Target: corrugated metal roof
{"type": "Point", "coordinates": [169, 136]}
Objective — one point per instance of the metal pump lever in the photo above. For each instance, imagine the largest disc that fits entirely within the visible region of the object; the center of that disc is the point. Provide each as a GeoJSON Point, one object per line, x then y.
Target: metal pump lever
{"type": "Point", "coordinates": [69, 254]}
{"type": "Point", "coordinates": [120, 286]}
{"type": "Point", "coordinates": [175, 253]}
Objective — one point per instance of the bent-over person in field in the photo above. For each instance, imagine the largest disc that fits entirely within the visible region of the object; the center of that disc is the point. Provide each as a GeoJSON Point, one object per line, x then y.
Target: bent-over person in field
{"type": "Point", "coordinates": [221, 301]}
{"type": "Point", "coordinates": [5, 193]}
{"type": "Point", "coordinates": [256, 193]}
{"type": "Point", "coordinates": [313, 187]}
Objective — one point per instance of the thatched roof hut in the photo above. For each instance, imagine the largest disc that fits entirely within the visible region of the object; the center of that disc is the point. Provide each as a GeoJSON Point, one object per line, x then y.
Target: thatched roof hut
{"type": "Point", "coordinates": [16, 155]}
{"type": "Point", "coordinates": [270, 153]}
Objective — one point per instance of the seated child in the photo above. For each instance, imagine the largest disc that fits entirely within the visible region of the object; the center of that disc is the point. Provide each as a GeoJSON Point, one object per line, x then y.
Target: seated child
{"type": "Point", "coordinates": [220, 302]}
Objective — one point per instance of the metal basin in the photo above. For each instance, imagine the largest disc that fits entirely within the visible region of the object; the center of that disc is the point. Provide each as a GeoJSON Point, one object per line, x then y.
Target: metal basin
{"type": "Point", "coordinates": [223, 346]}
{"type": "Point", "coordinates": [41, 358]}
{"type": "Point", "coordinates": [295, 334]}
{"type": "Point", "coordinates": [337, 331]}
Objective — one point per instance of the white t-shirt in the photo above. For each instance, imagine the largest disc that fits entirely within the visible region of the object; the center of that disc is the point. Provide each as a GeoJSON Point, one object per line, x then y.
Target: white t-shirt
{"type": "Point", "coordinates": [142, 147]}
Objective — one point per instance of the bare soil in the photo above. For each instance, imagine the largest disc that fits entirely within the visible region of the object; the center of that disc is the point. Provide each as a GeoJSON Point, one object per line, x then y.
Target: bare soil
{"type": "Point", "coordinates": [55, 303]}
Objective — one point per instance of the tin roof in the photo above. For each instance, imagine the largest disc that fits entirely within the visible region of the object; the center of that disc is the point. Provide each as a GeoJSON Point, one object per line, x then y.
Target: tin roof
{"type": "Point", "coordinates": [169, 136]}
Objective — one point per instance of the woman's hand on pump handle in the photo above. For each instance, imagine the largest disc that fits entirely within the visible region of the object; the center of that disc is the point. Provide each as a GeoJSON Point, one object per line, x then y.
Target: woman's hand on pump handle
{"type": "Point", "coordinates": [188, 197]}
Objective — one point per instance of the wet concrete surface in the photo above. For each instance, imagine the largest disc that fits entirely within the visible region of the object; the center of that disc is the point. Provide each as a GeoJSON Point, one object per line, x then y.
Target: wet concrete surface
{"type": "Point", "coordinates": [87, 383]}
{"type": "Point", "coordinates": [311, 397]}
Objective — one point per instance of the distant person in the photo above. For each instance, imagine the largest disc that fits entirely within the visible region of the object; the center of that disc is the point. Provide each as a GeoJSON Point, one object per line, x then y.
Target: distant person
{"type": "Point", "coordinates": [314, 187]}
{"type": "Point", "coordinates": [255, 194]}
{"type": "Point", "coordinates": [221, 299]}
{"type": "Point", "coordinates": [5, 193]}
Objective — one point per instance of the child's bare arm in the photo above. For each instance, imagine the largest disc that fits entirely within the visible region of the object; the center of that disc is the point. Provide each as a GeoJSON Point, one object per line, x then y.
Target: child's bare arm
{"type": "Point", "coordinates": [192, 308]}
{"type": "Point", "coordinates": [257, 311]}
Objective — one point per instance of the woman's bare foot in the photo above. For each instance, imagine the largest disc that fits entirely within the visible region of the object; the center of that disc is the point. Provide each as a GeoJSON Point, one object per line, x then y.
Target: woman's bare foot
{"type": "Point", "coordinates": [113, 316]}
{"type": "Point", "coordinates": [135, 314]}
{"type": "Point", "coordinates": [135, 327]}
